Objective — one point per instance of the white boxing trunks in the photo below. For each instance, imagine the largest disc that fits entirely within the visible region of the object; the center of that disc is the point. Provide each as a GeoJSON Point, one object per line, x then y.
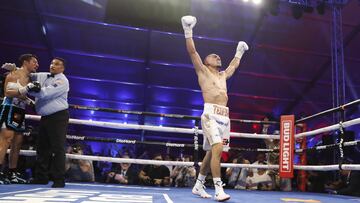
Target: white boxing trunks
{"type": "Point", "coordinates": [215, 124]}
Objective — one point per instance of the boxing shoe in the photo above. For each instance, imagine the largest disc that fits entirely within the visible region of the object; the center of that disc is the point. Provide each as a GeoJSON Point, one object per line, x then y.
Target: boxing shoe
{"type": "Point", "coordinates": [199, 189]}
{"type": "Point", "coordinates": [15, 178]}
{"type": "Point", "coordinates": [220, 195]}
{"type": "Point", "coordinates": [4, 179]}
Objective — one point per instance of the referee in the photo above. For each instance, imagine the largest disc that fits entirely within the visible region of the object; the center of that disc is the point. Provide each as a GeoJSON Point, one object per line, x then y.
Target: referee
{"type": "Point", "coordinates": [51, 104]}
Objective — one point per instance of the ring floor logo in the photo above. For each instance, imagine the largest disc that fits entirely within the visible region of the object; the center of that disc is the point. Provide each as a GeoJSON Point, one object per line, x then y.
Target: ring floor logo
{"type": "Point", "coordinates": [40, 195]}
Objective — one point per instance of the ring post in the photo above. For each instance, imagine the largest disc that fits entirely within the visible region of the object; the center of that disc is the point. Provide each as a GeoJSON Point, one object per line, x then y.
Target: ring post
{"type": "Point", "coordinates": [303, 161]}
{"type": "Point", "coordinates": [287, 132]}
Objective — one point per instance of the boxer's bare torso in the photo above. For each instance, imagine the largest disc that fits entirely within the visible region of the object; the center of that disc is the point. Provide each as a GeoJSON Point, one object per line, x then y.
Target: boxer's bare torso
{"type": "Point", "coordinates": [213, 86]}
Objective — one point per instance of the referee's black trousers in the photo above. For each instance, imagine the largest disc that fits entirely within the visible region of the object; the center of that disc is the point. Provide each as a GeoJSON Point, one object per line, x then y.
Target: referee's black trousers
{"type": "Point", "coordinates": [50, 152]}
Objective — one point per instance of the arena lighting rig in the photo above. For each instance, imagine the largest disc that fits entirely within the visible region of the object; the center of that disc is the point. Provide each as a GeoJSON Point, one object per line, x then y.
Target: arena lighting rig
{"type": "Point", "coordinates": [298, 7]}
{"type": "Point", "coordinates": [312, 3]}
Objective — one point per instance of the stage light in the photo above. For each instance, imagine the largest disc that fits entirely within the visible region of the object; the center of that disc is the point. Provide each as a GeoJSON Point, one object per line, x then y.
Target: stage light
{"type": "Point", "coordinates": [257, 1]}
{"type": "Point", "coordinates": [256, 127]}
{"type": "Point", "coordinates": [245, 0]}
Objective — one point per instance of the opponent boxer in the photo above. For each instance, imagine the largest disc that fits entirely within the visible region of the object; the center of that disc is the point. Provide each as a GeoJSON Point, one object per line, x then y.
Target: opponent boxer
{"type": "Point", "coordinates": [12, 114]}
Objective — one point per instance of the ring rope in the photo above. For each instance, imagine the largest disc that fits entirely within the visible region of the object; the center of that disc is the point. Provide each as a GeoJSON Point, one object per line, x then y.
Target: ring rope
{"type": "Point", "coordinates": [126, 141]}
{"type": "Point", "coordinates": [166, 144]}
{"type": "Point", "coordinates": [154, 128]}
{"type": "Point", "coordinates": [339, 108]}
{"type": "Point", "coordinates": [179, 116]}
{"type": "Point", "coordinates": [192, 130]}
{"type": "Point", "coordinates": [328, 128]}
{"type": "Point", "coordinates": [180, 163]}
{"type": "Point", "coordinates": [183, 145]}
{"type": "Point", "coordinates": [330, 146]}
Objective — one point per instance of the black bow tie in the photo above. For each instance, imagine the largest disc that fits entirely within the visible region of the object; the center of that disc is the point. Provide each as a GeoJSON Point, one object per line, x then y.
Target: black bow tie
{"type": "Point", "coordinates": [50, 75]}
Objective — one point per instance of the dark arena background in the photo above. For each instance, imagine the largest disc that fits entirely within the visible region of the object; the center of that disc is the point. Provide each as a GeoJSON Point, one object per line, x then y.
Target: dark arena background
{"type": "Point", "coordinates": [134, 95]}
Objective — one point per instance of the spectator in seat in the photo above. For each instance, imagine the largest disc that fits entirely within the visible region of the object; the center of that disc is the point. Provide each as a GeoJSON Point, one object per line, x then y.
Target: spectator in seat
{"type": "Point", "coordinates": [156, 175]}
{"type": "Point", "coordinates": [123, 173]}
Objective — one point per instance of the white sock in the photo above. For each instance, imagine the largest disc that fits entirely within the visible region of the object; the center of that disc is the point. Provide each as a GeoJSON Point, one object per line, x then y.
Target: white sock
{"type": "Point", "coordinates": [218, 185]}
{"type": "Point", "coordinates": [216, 180]}
{"type": "Point", "coordinates": [201, 177]}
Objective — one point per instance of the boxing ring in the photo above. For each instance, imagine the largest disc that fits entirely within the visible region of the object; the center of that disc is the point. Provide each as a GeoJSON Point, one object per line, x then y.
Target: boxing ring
{"type": "Point", "coordinates": [100, 193]}
{"type": "Point", "coordinates": [92, 192]}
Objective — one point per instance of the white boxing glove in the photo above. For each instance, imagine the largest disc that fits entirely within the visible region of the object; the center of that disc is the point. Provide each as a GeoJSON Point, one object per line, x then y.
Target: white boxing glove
{"type": "Point", "coordinates": [188, 23]}
{"type": "Point", "coordinates": [240, 49]}
{"type": "Point", "coordinates": [33, 86]}
{"type": "Point", "coordinates": [9, 66]}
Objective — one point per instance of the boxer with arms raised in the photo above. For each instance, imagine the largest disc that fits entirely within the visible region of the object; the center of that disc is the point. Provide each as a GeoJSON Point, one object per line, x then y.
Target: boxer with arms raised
{"type": "Point", "coordinates": [215, 120]}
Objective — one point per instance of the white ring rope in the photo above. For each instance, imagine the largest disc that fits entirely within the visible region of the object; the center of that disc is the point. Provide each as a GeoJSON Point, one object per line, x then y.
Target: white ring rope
{"type": "Point", "coordinates": [351, 143]}
{"type": "Point", "coordinates": [328, 128]}
{"type": "Point", "coordinates": [113, 159]}
{"type": "Point", "coordinates": [178, 163]}
{"type": "Point", "coordinates": [192, 130]}
{"type": "Point", "coordinates": [155, 128]}
{"type": "Point", "coordinates": [254, 135]}
{"type": "Point", "coordinates": [334, 167]}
